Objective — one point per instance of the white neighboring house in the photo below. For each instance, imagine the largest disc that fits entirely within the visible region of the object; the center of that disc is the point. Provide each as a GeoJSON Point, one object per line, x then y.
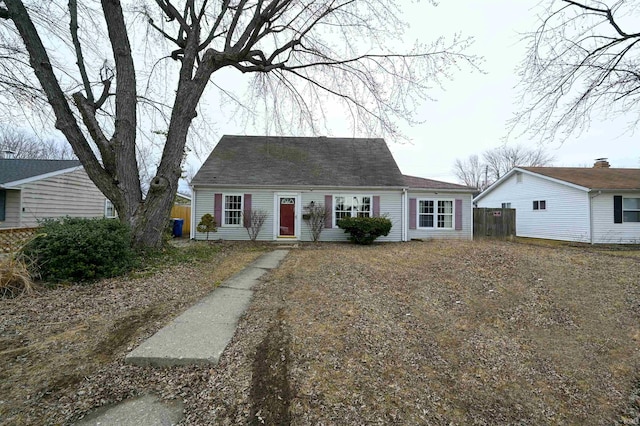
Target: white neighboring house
{"type": "Point", "coordinates": [599, 205]}
{"type": "Point", "coordinates": [31, 190]}
{"type": "Point", "coordinates": [349, 176]}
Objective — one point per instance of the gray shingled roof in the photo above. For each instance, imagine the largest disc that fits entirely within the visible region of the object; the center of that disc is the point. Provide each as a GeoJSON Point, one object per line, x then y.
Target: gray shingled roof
{"type": "Point", "coordinates": [422, 183]}
{"type": "Point", "coordinates": [12, 170]}
{"type": "Point", "coordinates": [300, 161]}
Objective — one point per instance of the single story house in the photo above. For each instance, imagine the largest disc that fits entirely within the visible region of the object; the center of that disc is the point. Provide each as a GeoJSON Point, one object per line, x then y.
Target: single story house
{"type": "Point", "coordinates": [31, 190]}
{"type": "Point", "coordinates": [599, 205]}
{"type": "Point", "coordinates": [349, 176]}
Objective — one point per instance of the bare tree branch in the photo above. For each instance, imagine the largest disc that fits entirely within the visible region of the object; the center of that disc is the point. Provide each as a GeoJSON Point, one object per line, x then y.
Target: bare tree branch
{"type": "Point", "coordinates": [581, 62]}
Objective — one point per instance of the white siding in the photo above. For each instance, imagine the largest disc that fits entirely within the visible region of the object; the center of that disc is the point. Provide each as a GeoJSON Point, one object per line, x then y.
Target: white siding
{"type": "Point", "coordinates": [567, 209]}
{"type": "Point", "coordinates": [466, 233]}
{"type": "Point", "coordinates": [390, 205]}
{"type": "Point", "coordinates": [69, 194]}
{"type": "Point", "coordinates": [260, 200]}
{"type": "Point", "coordinates": [607, 232]}
{"type": "Point", "coordinates": [12, 210]}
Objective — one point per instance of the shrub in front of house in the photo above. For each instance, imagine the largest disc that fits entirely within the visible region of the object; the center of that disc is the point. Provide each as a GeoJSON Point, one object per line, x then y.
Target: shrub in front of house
{"type": "Point", "coordinates": [364, 230]}
{"type": "Point", "coordinates": [81, 250]}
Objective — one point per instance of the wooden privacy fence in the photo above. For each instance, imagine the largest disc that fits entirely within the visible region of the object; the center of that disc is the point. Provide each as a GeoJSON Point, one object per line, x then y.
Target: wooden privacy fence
{"type": "Point", "coordinates": [12, 239]}
{"type": "Point", "coordinates": [494, 223]}
{"type": "Point", "coordinates": [182, 212]}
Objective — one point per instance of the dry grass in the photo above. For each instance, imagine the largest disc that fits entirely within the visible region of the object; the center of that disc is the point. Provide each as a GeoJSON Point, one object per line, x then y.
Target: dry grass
{"type": "Point", "coordinates": [51, 342]}
{"type": "Point", "coordinates": [468, 333]}
{"type": "Point", "coordinates": [15, 279]}
{"type": "Point", "coordinates": [417, 333]}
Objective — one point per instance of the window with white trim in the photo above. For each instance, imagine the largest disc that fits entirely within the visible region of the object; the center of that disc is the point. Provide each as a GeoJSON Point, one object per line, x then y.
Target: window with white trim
{"type": "Point", "coordinates": [540, 205]}
{"type": "Point", "coordinates": [109, 209]}
{"type": "Point", "coordinates": [631, 209]}
{"type": "Point", "coordinates": [232, 210]}
{"type": "Point", "coordinates": [435, 214]}
{"type": "Point", "coordinates": [506, 205]}
{"type": "Point", "coordinates": [351, 206]}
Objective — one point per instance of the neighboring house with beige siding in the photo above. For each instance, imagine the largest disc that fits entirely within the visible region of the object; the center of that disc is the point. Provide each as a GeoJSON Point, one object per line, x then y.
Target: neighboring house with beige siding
{"type": "Point", "coordinates": [32, 190]}
{"type": "Point", "coordinates": [349, 176]}
{"type": "Point", "coordinates": [599, 205]}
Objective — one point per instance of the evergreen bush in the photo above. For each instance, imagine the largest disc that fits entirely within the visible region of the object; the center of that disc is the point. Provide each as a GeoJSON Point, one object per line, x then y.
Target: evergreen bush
{"type": "Point", "coordinates": [364, 230]}
{"type": "Point", "coordinates": [80, 250]}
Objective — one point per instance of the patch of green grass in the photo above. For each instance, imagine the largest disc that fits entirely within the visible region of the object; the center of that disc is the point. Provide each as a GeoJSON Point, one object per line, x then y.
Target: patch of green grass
{"type": "Point", "coordinates": [170, 255]}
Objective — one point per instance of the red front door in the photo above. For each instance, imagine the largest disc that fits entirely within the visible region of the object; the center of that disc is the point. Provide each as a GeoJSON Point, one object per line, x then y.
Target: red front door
{"type": "Point", "coordinates": [287, 216]}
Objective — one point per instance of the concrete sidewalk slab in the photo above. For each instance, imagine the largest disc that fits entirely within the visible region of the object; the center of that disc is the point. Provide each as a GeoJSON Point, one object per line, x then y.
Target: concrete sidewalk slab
{"type": "Point", "coordinates": [271, 260]}
{"type": "Point", "coordinates": [201, 333]}
{"type": "Point", "coordinates": [245, 279]}
{"type": "Point", "coordinates": [146, 410]}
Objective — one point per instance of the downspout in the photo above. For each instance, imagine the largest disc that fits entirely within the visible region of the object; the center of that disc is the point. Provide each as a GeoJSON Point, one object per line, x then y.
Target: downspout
{"type": "Point", "coordinates": [20, 211]}
{"type": "Point", "coordinates": [192, 231]}
{"type": "Point", "coordinates": [405, 215]}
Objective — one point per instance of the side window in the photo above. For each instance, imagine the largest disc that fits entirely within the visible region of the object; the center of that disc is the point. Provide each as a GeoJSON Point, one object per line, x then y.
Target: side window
{"type": "Point", "coordinates": [233, 210]}
{"type": "Point", "coordinates": [109, 209]}
{"type": "Point", "coordinates": [540, 205]}
{"type": "Point", "coordinates": [435, 214]}
{"type": "Point", "coordinates": [631, 210]}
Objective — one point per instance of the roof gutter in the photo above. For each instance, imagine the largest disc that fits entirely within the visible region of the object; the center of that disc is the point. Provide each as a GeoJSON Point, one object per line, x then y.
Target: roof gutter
{"type": "Point", "coordinates": [332, 188]}
{"type": "Point", "coordinates": [295, 187]}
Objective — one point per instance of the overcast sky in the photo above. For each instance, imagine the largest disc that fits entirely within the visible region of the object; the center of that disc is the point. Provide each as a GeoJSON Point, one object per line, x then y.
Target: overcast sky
{"type": "Point", "coordinates": [470, 116]}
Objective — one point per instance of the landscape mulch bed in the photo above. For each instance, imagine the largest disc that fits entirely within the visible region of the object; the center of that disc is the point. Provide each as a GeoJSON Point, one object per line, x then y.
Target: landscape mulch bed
{"type": "Point", "coordinates": [436, 332]}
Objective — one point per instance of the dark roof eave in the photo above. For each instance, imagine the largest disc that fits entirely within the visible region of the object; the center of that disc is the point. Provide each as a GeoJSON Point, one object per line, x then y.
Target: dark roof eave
{"type": "Point", "coordinates": [615, 189]}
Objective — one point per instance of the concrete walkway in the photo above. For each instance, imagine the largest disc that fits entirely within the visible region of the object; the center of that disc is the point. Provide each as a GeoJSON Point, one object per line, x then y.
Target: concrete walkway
{"type": "Point", "coordinates": [143, 411]}
{"type": "Point", "coordinates": [200, 334]}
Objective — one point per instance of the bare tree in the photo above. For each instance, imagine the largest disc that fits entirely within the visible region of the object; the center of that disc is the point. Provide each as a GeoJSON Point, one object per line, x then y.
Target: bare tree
{"type": "Point", "coordinates": [497, 162]}
{"type": "Point", "coordinates": [300, 52]}
{"type": "Point", "coordinates": [504, 158]}
{"type": "Point", "coordinates": [582, 60]}
{"type": "Point", "coordinates": [253, 220]}
{"type": "Point", "coordinates": [470, 172]}
{"type": "Point", "coordinates": [316, 215]}
{"type": "Point", "coordinates": [24, 145]}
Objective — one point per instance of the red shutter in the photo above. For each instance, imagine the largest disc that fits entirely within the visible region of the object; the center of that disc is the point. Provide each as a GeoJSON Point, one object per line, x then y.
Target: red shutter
{"type": "Point", "coordinates": [247, 208]}
{"type": "Point", "coordinates": [328, 204]}
{"type": "Point", "coordinates": [247, 203]}
{"type": "Point", "coordinates": [376, 206]}
{"type": "Point", "coordinates": [412, 213]}
{"type": "Point", "coordinates": [217, 209]}
{"type": "Point", "coordinates": [458, 213]}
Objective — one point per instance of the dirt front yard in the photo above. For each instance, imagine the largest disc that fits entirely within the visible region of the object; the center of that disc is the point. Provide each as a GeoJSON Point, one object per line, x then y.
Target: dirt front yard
{"type": "Point", "coordinates": [414, 333]}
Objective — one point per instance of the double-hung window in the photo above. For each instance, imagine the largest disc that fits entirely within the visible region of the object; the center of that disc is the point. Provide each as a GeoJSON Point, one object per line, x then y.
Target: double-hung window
{"type": "Point", "coordinates": [631, 209]}
{"type": "Point", "coordinates": [351, 206]}
{"type": "Point", "coordinates": [109, 209]}
{"type": "Point", "coordinates": [232, 212]}
{"type": "Point", "coordinates": [435, 214]}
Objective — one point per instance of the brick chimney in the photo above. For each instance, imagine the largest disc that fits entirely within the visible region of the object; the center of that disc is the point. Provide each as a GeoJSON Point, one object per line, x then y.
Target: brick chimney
{"type": "Point", "coordinates": [601, 163]}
